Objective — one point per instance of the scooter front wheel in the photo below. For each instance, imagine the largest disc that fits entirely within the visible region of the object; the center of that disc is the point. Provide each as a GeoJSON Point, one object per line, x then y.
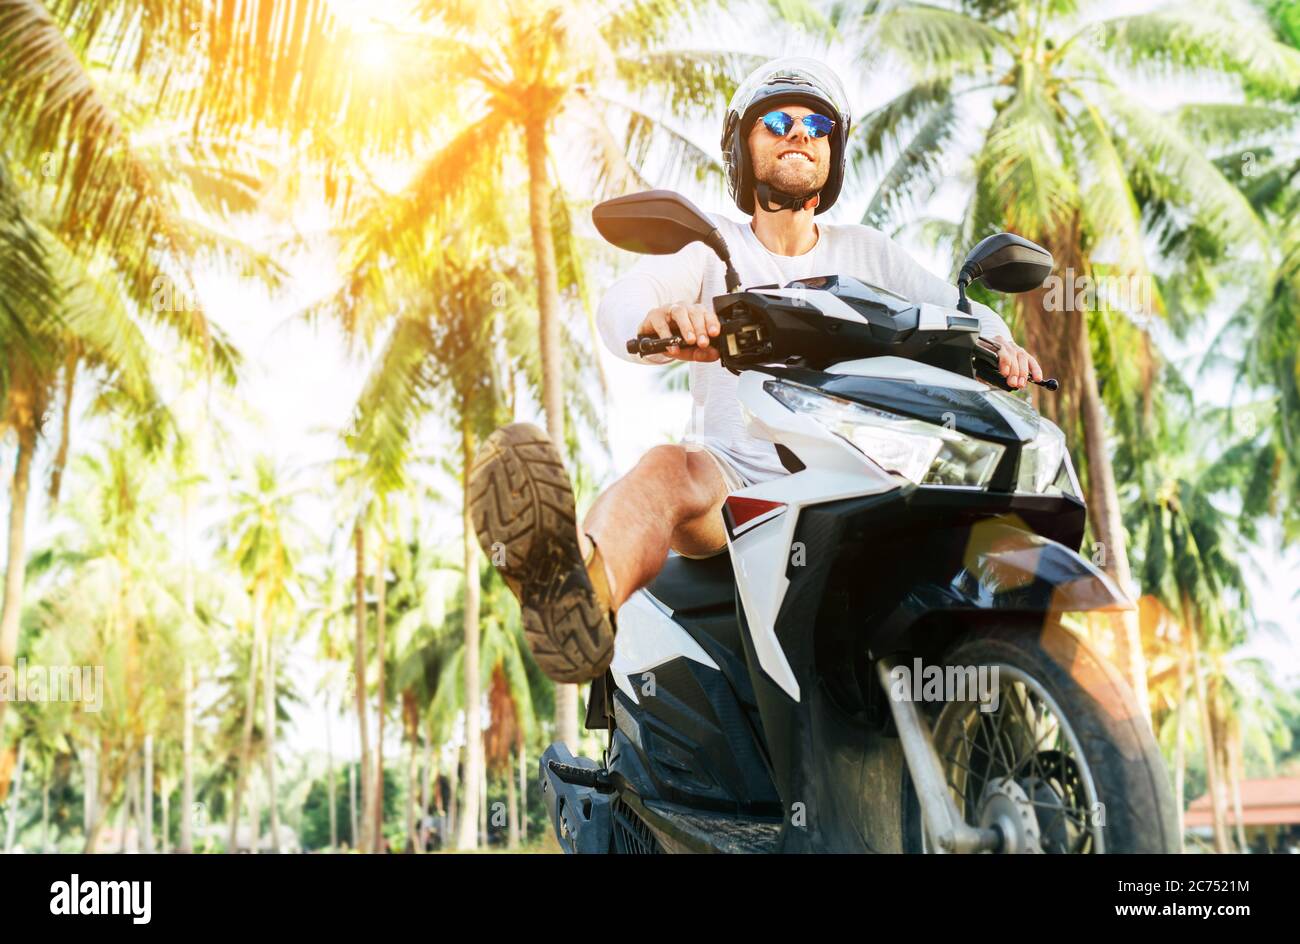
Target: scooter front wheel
{"type": "Point", "coordinates": [1059, 759]}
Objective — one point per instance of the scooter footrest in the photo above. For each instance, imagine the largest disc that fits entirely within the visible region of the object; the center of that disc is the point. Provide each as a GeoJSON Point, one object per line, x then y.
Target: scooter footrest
{"type": "Point", "coordinates": [582, 776]}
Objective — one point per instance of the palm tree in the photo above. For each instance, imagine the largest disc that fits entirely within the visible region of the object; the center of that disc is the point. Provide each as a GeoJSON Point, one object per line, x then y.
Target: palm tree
{"type": "Point", "coordinates": [88, 226]}
{"type": "Point", "coordinates": [358, 491]}
{"type": "Point", "coordinates": [1245, 702]}
{"type": "Point", "coordinates": [1068, 157]}
{"type": "Point", "coordinates": [1261, 156]}
{"type": "Point", "coordinates": [385, 509]}
{"type": "Point", "coordinates": [326, 619]}
{"type": "Point", "coordinates": [110, 601]}
{"type": "Point", "coordinates": [96, 335]}
{"type": "Point", "coordinates": [423, 640]}
{"type": "Point", "coordinates": [260, 539]}
{"type": "Point", "coordinates": [506, 672]}
{"type": "Point", "coordinates": [1189, 552]}
{"type": "Point", "coordinates": [448, 341]}
{"type": "Point", "coordinates": [510, 701]}
{"type": "Point", "coordinates": [519, 67]}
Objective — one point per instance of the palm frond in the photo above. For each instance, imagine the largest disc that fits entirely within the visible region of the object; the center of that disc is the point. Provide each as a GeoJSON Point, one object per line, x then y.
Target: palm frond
{"type": "Point", "coordinates": [1180, 172]}
{"type": "Point", "coordinates": [686, 82]}
{"type": "Point", "coordinates": [28, 290]}
{"type": "Point", "coordinates": [1216, 35]}
{"type": "Point", "coordinates": [57, 116]}
{"type": "Point", "coordinates": [934, 41]}
{"type": "Point", "coordinates": [1025, 166]}
{"type": "Point", "coordinates": [393, 230]}
{"type": "Point", "coordinates": [917, 164]}
{"type": "Point", "coordinates": [645, 141]}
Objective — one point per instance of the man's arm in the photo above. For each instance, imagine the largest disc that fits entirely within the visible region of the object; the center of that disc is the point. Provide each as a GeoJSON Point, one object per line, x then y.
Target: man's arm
{"type": "Point", "coordinates": [914, 281]}
{"type": "Point", "coordinates": [653, 282]}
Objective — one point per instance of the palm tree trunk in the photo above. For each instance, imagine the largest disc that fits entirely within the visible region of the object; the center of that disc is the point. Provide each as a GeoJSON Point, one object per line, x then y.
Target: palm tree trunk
{"type": "Point", "coordinates": [1221, 759]}
{"type": "Point", "coordinates": [45, 814]}
{"type": "Point", "coordinates": [329, 781]}
{"type": "Point", "coordinates": [1235, 773]}
{"type": "Point", "coordinates": [123, 813]}
{"type": "Point", "coordinates": [106, 789]}
{"type": "Point", "coordinates": [131, 810]}
{"type": "Point", "coordinates": [16, 563]}
{"type": "Point", "coordinates": [381, 595]}
{"type": "Point", "coordinates": [523, 791]}
{"type": "Point", "coordinates": [1180, 747]}
{"type": "Point", "coordinates": [255, 822]}
{"type": "Point", "coordinates": [426, 793]}
{"type": "Point", "coordinates": [246, 736]}
{"type": "Point", "coordinates": [187, 761]}
{"type": "Point", "coordinates": [146, 812]}
{"type": "Point", "coordinates": [465, 838]}
{"type": "Point", "coordinates": [412, 786]}
{"type": "Point", "coordinates": [1190, 630]}
{"type": "Point", "coordinates": [89, 788]}
{"type": "Point", "coordinates": [453, 803]}
{"type": "Point", "coordinates": [548, 312]}
{"type": "Point", "coordinates": [548, 285]}
{"type": "Point", "coordinates": [352, 804]}
{"type": "Point", "coordinates": [1104, 514]}
{"type": "Point", "coordinates": [359, 670]}
{"type": "Point", "coordinates": [60, 461]}
{"type": "Point", "coordinates": [268, 715]}
{"type": "Point", "coordinates": [512, 811]}
{"type": "Point", "coordinates": [483, 803]}
{"type": "Point", "coordinates": [15, 791]}
{"type": "Point", "coordinates": [164, 795]}
{"type": "Point", "coordinates": [187, 680]}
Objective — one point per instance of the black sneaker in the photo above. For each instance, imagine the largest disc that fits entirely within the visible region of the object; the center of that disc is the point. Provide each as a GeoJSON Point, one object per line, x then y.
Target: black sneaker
{"type": "Point", "coordinates": [522, 507]}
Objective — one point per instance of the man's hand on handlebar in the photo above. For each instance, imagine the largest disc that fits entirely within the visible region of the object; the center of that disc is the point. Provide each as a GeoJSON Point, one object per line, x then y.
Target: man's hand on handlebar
{"type": "Point", "coordinates": [1015, 363]}
{"type": "Point", "coordinates": [694, 324]}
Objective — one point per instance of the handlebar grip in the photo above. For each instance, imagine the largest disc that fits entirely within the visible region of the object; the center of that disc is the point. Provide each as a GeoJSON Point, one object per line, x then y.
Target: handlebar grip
{"type": "Point", "coordinates": [650, 344]}
{"type": "Point", "coordinates": [993, 374]}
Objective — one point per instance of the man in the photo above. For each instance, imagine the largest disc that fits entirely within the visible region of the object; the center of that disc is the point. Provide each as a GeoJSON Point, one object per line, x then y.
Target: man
{"type": "Point", "coordinates": [783, 145]}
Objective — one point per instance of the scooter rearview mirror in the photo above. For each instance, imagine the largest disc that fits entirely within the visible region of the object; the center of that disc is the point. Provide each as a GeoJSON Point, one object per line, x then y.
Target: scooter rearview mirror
{"type": "Point", "coordinates": [1007, 263]}
{"type": "Point", "coordinates": [659, 223]}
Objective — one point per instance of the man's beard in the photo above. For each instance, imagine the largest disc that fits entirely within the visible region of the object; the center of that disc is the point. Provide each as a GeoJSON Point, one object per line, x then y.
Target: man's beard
{"type": "Point", "coordinates": [793, 176]}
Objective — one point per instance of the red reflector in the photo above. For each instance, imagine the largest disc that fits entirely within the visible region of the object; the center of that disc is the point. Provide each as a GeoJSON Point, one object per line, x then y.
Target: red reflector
{"type": "Point", "coordinates": [747, 509]}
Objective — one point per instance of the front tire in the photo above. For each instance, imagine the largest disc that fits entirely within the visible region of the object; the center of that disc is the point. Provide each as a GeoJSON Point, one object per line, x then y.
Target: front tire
{"type": "Point", "coordinates": [1090, 781]}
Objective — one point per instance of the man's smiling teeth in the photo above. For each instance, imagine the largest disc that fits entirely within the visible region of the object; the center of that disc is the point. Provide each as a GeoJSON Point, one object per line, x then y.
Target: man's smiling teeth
{"type": "Point", "coordinates": [793, 155]}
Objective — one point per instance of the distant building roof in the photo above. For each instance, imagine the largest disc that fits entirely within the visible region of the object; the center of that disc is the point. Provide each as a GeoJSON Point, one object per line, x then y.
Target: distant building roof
{"type": "Point", "coordinates": [1263, 803]}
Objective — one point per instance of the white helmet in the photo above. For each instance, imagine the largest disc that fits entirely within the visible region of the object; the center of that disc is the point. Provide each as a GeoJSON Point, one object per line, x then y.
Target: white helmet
{"type": "Point", "coordinates": [791, 79]}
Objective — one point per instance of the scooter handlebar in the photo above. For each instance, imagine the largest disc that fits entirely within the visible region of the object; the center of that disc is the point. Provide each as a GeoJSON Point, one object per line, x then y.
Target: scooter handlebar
{"type": "Point", "coordinates": [986, 359]}
{"type": "Point", "coordinates": [650, 344]}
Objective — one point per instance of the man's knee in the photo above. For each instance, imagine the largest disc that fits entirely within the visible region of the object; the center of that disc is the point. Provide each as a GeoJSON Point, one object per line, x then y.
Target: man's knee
{"type": "Point", "coordinates": [687, 475]}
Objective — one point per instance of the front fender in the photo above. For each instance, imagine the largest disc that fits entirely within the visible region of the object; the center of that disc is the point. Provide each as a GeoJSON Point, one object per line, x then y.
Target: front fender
{"type": "Point", "coordinates": [1008, 569]}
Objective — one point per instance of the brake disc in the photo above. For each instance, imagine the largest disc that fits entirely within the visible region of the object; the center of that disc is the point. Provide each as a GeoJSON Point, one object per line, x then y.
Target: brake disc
{"type": "Point", "coordinates": [1052, 793]}
{"type": "Point", "coordinates": [1005, 805]}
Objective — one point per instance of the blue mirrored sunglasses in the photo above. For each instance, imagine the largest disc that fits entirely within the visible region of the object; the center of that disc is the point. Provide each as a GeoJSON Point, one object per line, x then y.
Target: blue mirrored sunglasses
{"type": "Point", "coordinates": [779, 123]}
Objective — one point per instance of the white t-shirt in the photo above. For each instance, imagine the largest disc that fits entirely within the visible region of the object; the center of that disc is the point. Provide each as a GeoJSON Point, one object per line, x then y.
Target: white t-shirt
{"type": "Point", "coordinates": [696, 275]}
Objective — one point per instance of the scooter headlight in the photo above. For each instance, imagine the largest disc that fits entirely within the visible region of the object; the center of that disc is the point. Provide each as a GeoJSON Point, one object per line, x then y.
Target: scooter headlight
{"type": "Point", "coordinates": [1045, 467]}
{"type": "Point", "coordinates": [921, 452]}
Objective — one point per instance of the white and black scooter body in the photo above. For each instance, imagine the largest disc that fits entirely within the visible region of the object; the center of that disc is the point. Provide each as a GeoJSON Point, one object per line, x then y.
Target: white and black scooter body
{"type": "Point", "coordinates": [743, 704]}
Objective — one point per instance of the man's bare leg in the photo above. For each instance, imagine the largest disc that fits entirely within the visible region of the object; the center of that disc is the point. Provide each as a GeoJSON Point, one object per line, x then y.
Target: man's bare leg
{"type": "Point", "coordinates": [521, 504]}
{"type": "Point", "coordinates": [671, 499]}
